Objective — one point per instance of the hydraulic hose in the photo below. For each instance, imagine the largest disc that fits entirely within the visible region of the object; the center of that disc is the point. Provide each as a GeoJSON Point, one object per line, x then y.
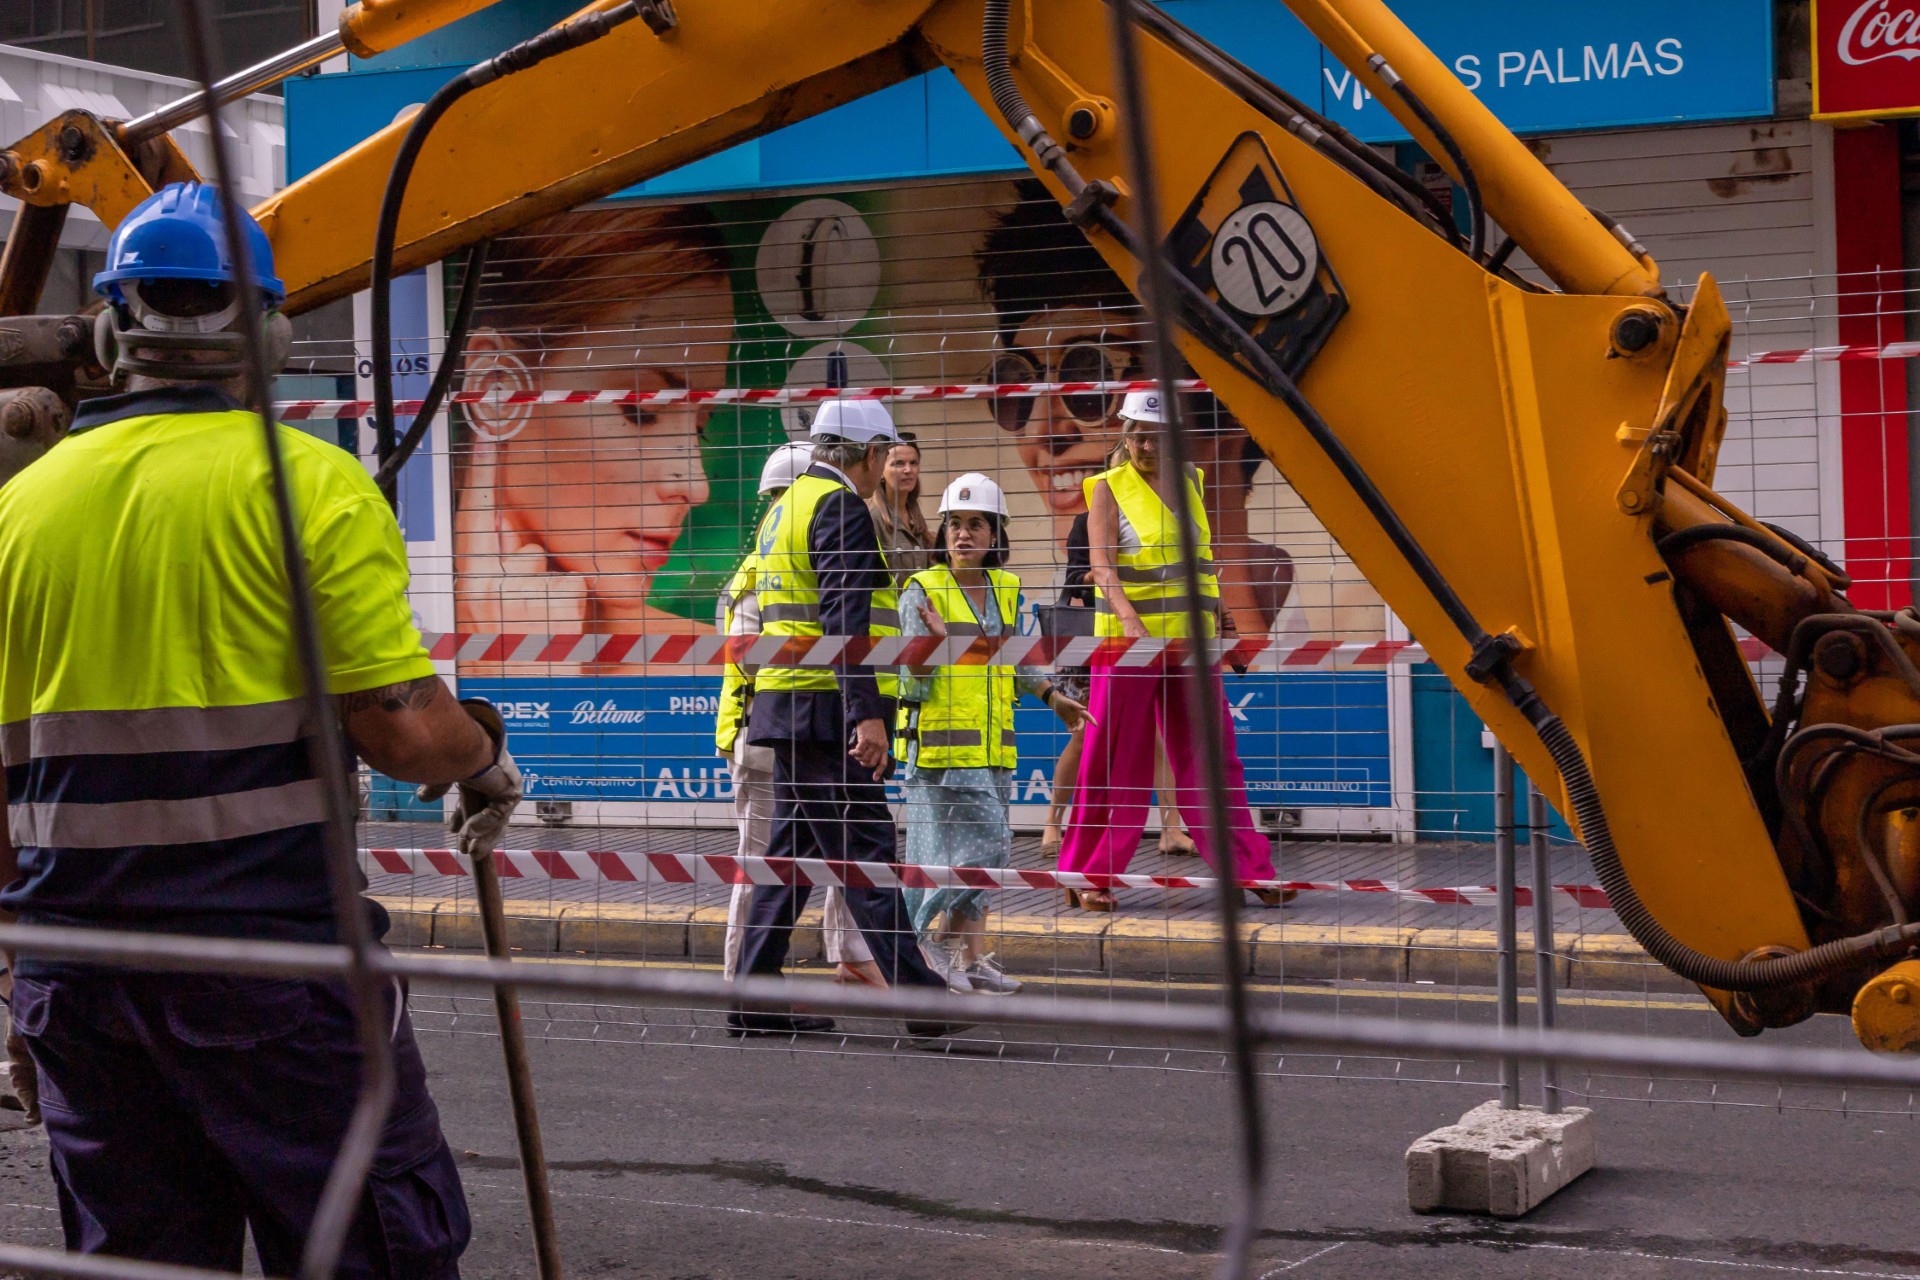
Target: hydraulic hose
{"type": "Point", "coordinates": [528, 53]}
{"type": "Point", "coordinates": [1872, 855]}
{"type": "Point", "coordinates": [1696, 967]}
{"type": "Point", "coordinates": [1332, 140]}
{"type": "Point", "coordinates": [1583, 795]}
{"type": "Point", "coordinates": [1013, 104]}
{"type": "Point", "coordinates": [1469, 181]}
{"type": "Point", "coordinates": [1838, 576]}
{"type": "Point", "coordinates": [385, 232]}
{"type": "Point", "coordinates": [1492, 655]}
{"type": "Point", "coordinates": [1680, 540]}
{"type": "Point", "coordinates": [1799, 650]}
{"type": "Point", "coordinates": [388, 477]}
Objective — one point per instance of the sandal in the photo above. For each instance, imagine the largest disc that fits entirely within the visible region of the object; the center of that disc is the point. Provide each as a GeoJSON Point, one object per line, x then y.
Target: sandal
{"type": "Point", "coordinates": [854, 975]}
{"type": "Point", "coordinates": [1091, 899]}
{"type": "Point", "coordinates": [1177, 842]}
{"type": "Point", "coordinates": [1050, 841]}
{"type": "Point", "coordinates": [1276, 897]}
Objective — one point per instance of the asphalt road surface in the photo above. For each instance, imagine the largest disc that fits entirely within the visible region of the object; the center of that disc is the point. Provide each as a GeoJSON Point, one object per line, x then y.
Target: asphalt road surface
{"type": "Point", "coordinates": [678, 1153]}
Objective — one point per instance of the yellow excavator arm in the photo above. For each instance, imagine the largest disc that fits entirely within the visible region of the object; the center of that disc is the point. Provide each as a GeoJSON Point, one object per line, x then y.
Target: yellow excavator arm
{"type": "Point", "coordinates": [1523, 472]}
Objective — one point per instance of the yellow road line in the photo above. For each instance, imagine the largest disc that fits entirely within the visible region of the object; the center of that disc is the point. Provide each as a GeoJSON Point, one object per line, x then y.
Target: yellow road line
{"type": "Point", "coordinates": [1663, 1001]}
{"type": "Point", "coordinates": [1116, 929]}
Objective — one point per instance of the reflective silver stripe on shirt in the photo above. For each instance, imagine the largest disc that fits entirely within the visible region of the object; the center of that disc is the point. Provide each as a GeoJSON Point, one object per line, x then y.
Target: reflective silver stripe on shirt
{"type": "Point", "coordinates": [885, 618]}
{"type": "Point", "coordinates": [1008, 738]}
{"type": "Point", "coordinates": [152, 730]}
{"type": "Point", "coordinates": [1160, 573]}
{"type": "Point", "coordinates": [949, 738]}
{"type": "Point", "coordinates": [964, 629]}
{"type": "Point", "coordinates": [55, 824]}
{"type": "Point", "coordinates": [1165, 604]}
{"type": "Point", "coordinates": [789, 613]}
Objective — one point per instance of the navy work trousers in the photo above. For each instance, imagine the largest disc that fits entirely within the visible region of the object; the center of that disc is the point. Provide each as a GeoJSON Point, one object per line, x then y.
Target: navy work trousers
{"type": "Point", "coordinates": [826, 805]}
{"type": "Point", "coordinates": [182, 1109]}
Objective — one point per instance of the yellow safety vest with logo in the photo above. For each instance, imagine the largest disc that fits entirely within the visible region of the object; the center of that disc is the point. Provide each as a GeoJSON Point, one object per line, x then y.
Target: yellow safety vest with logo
{"type": "Point", "coordinates": [790, 593]}
{"type": "Point", "coordinates": [736, 686]}
{"type": "Point", "coordinates": [1152, 575]}
{"type": "Point", "coordinates": [967, 720]}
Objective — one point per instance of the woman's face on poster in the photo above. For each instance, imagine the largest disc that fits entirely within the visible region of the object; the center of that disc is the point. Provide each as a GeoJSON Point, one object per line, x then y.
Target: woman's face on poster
{"type": "Point", "coordinates": [606, 488]}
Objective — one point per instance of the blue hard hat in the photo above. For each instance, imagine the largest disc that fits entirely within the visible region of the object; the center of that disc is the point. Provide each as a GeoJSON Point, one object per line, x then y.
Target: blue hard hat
{"type": "Point", "coordinates": [177, 234]}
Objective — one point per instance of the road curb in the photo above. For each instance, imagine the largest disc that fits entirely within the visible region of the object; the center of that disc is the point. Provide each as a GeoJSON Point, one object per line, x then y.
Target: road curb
{"type": "Point", "coordinates": [1074, 942]}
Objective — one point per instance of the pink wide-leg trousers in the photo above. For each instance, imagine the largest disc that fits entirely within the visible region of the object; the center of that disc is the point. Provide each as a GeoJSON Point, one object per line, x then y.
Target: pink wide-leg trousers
{"type": "Point", "coordinates": [1116, 773]}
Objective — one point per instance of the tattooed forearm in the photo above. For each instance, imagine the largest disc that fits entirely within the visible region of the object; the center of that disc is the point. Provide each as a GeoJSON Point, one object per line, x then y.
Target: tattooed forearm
{"type": "Point", "coordinates": [410, 695]}
{"type": "Point", "coordinates": [415, 732]}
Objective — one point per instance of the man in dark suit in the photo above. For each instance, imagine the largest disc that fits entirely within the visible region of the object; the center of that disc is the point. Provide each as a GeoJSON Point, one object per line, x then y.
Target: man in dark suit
{"type": "Point", "coordinates": [819, 568]}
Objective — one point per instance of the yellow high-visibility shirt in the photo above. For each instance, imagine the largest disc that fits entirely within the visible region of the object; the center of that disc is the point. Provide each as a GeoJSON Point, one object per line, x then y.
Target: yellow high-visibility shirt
{"type": "Point", "coordinates": [158, 766]}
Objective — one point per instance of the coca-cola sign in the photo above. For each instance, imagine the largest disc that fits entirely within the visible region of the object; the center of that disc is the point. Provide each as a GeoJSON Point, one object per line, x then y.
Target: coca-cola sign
{"type": "Point", "coordinates": [1866, 58]}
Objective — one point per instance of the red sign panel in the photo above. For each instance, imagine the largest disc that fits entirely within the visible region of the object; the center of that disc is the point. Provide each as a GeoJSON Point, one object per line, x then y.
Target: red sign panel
{"type": "Point", "coordinates": [1866, 58]}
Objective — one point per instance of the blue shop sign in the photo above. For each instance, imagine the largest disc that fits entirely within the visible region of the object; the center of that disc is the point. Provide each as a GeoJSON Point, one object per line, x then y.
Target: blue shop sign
{"type": "Point", "coordinates": [1561, 67]}
{"type": "Point", "coordinates": [1306, 738]}
{"type": "Point", "coordinates": [1543, 68]}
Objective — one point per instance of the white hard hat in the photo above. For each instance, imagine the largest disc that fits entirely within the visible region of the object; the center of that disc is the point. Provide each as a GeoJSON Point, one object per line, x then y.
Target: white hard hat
{"type": "Point", "coordinates": [784, 466]}
{"type": "Point", "coordinates": [861, 421]}
{"type": "Point", "coordinates": [974, 492]}
{"type": "Point", "coordinates": [1143, 406]}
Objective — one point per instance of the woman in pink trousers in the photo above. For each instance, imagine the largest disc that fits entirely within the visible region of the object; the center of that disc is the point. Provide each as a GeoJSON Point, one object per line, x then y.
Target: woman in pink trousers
{"type": "Point", "coordinates": [1134, 538]}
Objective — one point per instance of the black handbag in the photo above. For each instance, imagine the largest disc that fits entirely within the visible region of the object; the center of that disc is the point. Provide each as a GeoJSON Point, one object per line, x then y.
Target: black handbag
{"type": "Point", "coordinates": [1064, 621]}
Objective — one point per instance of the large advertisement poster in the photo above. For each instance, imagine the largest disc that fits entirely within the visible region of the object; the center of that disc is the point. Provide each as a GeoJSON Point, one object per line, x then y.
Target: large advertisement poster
{"type": "Point", "coordinates": [622, 521]}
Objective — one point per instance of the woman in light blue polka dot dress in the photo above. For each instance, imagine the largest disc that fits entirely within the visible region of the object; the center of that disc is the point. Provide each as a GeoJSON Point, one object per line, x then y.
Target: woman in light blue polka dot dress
{"type": "Point", "coordinates": [960, 747]}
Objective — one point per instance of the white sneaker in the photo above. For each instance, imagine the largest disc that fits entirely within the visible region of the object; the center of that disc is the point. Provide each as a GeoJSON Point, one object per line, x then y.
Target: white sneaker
{"type": "Point", "coordinates": [991, 978]}
{"type": "Point", "coordinates": [945, 962]}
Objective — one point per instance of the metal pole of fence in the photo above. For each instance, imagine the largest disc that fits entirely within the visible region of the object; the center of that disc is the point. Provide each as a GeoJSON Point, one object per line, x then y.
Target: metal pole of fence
{"type": "Point", "coordinates": [1208, 702]}
{"type": "Point", "coordinates": [1538, 818]}
{"type": "Point", "coordinates": [1199, 1023]}
{"type": "Point", "coordinates": [345, 1188]}
{"type": "Point", "coordinates": [1508, 976]}
{"type": "Point", "coordinates": [513, 1045]}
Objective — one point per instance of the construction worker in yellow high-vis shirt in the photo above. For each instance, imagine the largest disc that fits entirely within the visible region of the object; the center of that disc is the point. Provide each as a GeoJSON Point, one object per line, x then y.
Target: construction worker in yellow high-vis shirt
{"type": "Point", "coordinates": [162, 776]}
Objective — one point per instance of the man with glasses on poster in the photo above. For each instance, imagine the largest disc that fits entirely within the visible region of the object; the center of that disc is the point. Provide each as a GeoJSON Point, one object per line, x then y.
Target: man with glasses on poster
{"type": "Point", "coordinates": [1063, 316]}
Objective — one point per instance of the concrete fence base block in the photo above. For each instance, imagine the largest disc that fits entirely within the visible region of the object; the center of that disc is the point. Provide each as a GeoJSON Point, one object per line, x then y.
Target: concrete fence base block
{"type": "Point", "coordinates": [1497, 1162]}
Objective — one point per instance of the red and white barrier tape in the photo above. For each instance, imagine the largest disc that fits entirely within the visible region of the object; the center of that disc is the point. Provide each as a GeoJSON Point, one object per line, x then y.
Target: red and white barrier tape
{"type": "Point", "coordinates": [692, 868]}
{"type": "Point", "coordinates": [751, 397]}
{"type": "Point", "coordinates": [778, 397]}
{"type": "Point", "coordinates": [626, 648]}
{"type": "Point", "coordinates": [1827, 355]}
{"type": "Point", "coordinates": [677, 650]}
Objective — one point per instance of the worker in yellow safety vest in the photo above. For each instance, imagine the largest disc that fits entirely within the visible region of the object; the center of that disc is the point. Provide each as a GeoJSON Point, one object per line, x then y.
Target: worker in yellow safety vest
{"type": "Point", "coordinates": [163, 775]}
{"type": "Point", "coordinates": [819, 573]}
{"type": "Point", "coordinates": [752, 766]}
{"type": "Point", "coordinates": [1141, 593]}
{"type": "Point", "coordinates": [962, 750]}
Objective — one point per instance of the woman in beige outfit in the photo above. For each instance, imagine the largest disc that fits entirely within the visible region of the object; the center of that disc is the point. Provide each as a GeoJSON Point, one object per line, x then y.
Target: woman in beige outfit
{"type": "Point", "coordinates": [896, 512]}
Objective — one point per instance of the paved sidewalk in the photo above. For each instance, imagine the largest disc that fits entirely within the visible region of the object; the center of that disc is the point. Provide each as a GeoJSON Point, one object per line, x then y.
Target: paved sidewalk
{"type": "Point", "coordinates": [1165, 933]}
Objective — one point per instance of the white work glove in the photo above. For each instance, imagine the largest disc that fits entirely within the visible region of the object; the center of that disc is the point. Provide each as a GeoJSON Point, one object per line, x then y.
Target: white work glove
{"type": "Point", "coordinates": [489, 797]}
